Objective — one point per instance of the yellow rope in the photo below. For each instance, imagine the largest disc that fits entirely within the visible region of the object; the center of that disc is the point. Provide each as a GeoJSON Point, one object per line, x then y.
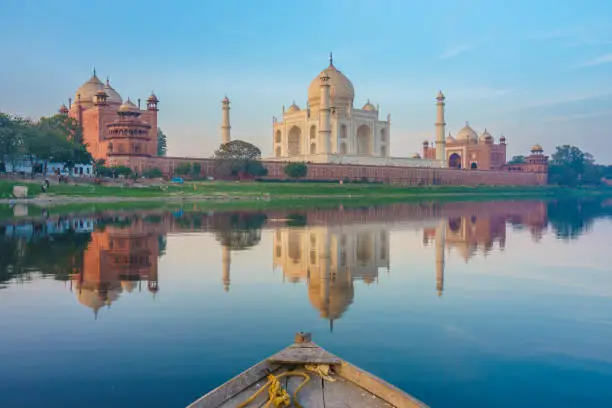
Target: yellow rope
{"type": "Point", "coordinates": [278, 397]}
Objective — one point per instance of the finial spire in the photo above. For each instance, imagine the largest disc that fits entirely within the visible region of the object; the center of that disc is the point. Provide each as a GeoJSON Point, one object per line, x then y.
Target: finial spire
{"type": "Point", "coordinates": [107, 81]}
{"type": "Point", "coordinates": [94, 70]}
{"type": "Point", "coordinates": [331, 59]}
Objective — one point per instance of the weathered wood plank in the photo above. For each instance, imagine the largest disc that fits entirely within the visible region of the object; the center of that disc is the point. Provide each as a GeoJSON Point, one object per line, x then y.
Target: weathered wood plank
{"type": "Point", "coordinates": [343, 394]}
{"type": "Point", "coordinates": [298, 354]}
{"type": "Point", "coordinates": [236, 385]}
{"type": "Point", "coordinates": [311, 395]}
{"type": "Point", "coordinates": [246, 394]}
{"type": "Point", "coordinates": [377, 386]}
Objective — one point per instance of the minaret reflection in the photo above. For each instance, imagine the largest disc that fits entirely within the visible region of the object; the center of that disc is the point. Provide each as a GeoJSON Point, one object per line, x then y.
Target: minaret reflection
{"type": "Point", "coordinates": [440, 245]}
{"type": "Point", "coordinates": [330, 259]}
{"type": "Point", "coordinates": [226, 259]}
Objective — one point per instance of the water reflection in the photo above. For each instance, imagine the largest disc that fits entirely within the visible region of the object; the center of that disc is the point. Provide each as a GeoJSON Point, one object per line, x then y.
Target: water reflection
{"type": "Point", "coordinates": [107, 254]}
{"type": "Point", "coordinates": [329, 259]}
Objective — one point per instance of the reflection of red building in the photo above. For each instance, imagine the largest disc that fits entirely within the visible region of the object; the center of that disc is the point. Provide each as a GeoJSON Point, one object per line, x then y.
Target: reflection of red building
{"type": "Point", "coordinates": [480, 229]}
{"type": "Point", "coordinates": [116, 260]}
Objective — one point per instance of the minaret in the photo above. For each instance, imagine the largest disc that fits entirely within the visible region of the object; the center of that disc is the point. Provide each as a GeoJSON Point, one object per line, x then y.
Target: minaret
{"type": "Point", "coordinates": [153, 109]}
{"type": "Point", "coordinates": [325, 115]}
{"type": "Point", "coordinates": [440, 245]}
{"type": "Point", "coordinates": [226, 259]}
{"type": "Point", "coordinates": [225, 124]}
{"type": "Point", "coordinates": [440, 141]}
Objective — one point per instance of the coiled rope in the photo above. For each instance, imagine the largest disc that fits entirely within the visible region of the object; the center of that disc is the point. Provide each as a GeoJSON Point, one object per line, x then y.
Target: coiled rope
{"type": "Point", "coordinates": [278, 397]}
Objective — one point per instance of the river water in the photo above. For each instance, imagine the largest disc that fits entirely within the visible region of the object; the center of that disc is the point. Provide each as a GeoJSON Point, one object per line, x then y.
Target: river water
{"type": "Point", "coordinates": [488, 304]}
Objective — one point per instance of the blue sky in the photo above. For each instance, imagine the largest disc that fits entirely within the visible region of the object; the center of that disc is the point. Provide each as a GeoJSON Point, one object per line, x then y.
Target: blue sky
{"type": "Point", "coordinates": [536, 71]}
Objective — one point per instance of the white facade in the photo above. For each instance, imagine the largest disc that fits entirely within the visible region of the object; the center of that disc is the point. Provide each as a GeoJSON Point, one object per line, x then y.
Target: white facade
{"type": "Point", "coordinates": [353, 132]}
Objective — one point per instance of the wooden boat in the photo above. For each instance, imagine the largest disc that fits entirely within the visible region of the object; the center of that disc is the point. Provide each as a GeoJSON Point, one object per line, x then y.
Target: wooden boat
{"type": "Point", "coordinates": [305, 375]}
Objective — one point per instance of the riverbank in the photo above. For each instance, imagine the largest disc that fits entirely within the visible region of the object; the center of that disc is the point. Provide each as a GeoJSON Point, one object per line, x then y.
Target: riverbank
{"type": "Point", "coordinates": [262, 191]}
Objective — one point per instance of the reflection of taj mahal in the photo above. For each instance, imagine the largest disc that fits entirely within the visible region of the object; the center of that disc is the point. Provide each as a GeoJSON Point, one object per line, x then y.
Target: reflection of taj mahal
{"type": "Point", "coordinates": [329, 259]}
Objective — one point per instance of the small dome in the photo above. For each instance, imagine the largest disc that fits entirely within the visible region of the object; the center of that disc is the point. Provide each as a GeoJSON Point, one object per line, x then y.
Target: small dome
{"type": "Point", "coordinates": [450, 139]}
{"type": "Point", "coordinates": [537, 148]}
{"type": "Point", "coordinates": [113, 96]}
{"type": "Point", "coordinates": [88, 90]}
{"type": "Point", "coordinates": [63, 109]}
{"type": "Point", "coordinates": [486, 136]}
{"type": "Point", "coordinates": [128, 286]}
{"type": "Point", "coordinates": [440, 96]}
{"type": "Point", "coordinates": [128, 106]}
{"type": "Point", "coordinates": [502, 139]}
{"type": "Point", "coordinates": [225, 98]}
{"type": "Point", "coordinates": [415, 156]}
{"type": "Point", "coordinates": [369, 107]}
{"type": "Point", "coordinates": [293, 108]}
{"type": "Point", "coordinates": [342, 90]}
{"type": "Point", "coordinates": [467, 134]}
{"type": "Point", "coordinates": [425, 143]}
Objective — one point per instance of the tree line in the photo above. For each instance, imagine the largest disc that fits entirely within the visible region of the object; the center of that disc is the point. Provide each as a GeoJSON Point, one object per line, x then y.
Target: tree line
{"type": "Point", "coordinates": [570, 166]}
{"type": "Point", "coordinates": [56, 139]}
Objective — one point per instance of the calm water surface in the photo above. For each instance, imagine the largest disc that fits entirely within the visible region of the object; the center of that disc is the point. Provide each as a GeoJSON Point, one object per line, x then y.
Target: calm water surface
{"type": "Point", "coordinates": [460, 304]}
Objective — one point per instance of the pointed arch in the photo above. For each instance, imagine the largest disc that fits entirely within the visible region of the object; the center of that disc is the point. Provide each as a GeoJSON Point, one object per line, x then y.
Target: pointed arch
{"type": "Point", "coordinates": [295, 141]}
{"type": "Point", "coordinates": [364, 140]}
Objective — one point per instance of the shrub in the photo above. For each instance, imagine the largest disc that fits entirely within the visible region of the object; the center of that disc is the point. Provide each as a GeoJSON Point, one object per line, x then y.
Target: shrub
{"type": "Point", "coordinates": [153, 173]}
{"type": "Point", "coordinates": [296, 170]}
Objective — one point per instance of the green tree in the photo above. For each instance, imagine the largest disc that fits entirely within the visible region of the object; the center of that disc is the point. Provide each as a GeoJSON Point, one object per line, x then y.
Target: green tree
{"type": "Point", "coordinates": [517, 159]}
{"type": "Point", "coordinates": [239, 159]}
{"type": "Point", "coordinates": [238, 150]}
{"type": "Point", "coordinates": [196, 169]}
{"type": "Point", "coordinates": [12, 131]}
{"type": "Point", "coordinates": [162, 143]}
{"type": "Point", "coordinates": [183, 169]}
{"type": "Point", "coordinates": [570, 166]}
{"type": "Point", "coordinates": [296, 170]}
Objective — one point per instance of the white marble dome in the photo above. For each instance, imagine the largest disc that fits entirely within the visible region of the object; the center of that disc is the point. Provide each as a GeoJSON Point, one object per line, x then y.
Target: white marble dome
{"type": "Point", "coordinates": [369, 107]}
{"type": "Point", "coordinates": [467, 134]}
{"type": "Point", "coordinates": [293, 108]}
{"type": "Point", "coordinates": [342, 90]}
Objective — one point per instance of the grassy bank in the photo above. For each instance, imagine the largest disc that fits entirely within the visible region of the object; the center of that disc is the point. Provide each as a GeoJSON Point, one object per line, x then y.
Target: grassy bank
{"type": "Point", "coordinates": [247, 197]}
{"type": "Point", "coordinates": [274, 191]}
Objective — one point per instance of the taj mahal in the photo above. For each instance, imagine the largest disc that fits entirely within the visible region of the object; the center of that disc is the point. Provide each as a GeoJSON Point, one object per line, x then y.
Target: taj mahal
{"type": "Point", "coordinates": [331, 130]}
{"type": "Point", "coordinates": [336, 139]}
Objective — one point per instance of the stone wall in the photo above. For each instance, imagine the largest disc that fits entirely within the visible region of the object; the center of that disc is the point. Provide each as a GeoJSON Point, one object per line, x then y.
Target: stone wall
{"type": "Point", "coordinates": [409, 176]}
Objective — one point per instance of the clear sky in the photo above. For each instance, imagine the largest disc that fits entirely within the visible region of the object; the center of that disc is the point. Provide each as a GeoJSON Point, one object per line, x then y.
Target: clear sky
{"type": "Point", "coordinates": [536, 71]}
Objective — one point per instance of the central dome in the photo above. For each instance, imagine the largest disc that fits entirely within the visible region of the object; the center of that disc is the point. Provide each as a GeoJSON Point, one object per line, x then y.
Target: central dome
{"type": "Point", "coordinates": [88, 90]}
{"type": "Point", "coordinates": [342, 91]}
{"type": "Point", "coordinates": [467, 134]}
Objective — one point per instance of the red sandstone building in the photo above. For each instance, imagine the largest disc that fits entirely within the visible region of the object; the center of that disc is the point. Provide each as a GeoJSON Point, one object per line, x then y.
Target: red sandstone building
{"type": "Point", "coordinates": [116, 131]}
{"type": "Point", "coordinates": [467, 150]}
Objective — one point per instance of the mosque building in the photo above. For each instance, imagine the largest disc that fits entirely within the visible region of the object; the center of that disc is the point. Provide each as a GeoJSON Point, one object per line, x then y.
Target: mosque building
{"type": "Point", "coordinates": [114, 130]}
